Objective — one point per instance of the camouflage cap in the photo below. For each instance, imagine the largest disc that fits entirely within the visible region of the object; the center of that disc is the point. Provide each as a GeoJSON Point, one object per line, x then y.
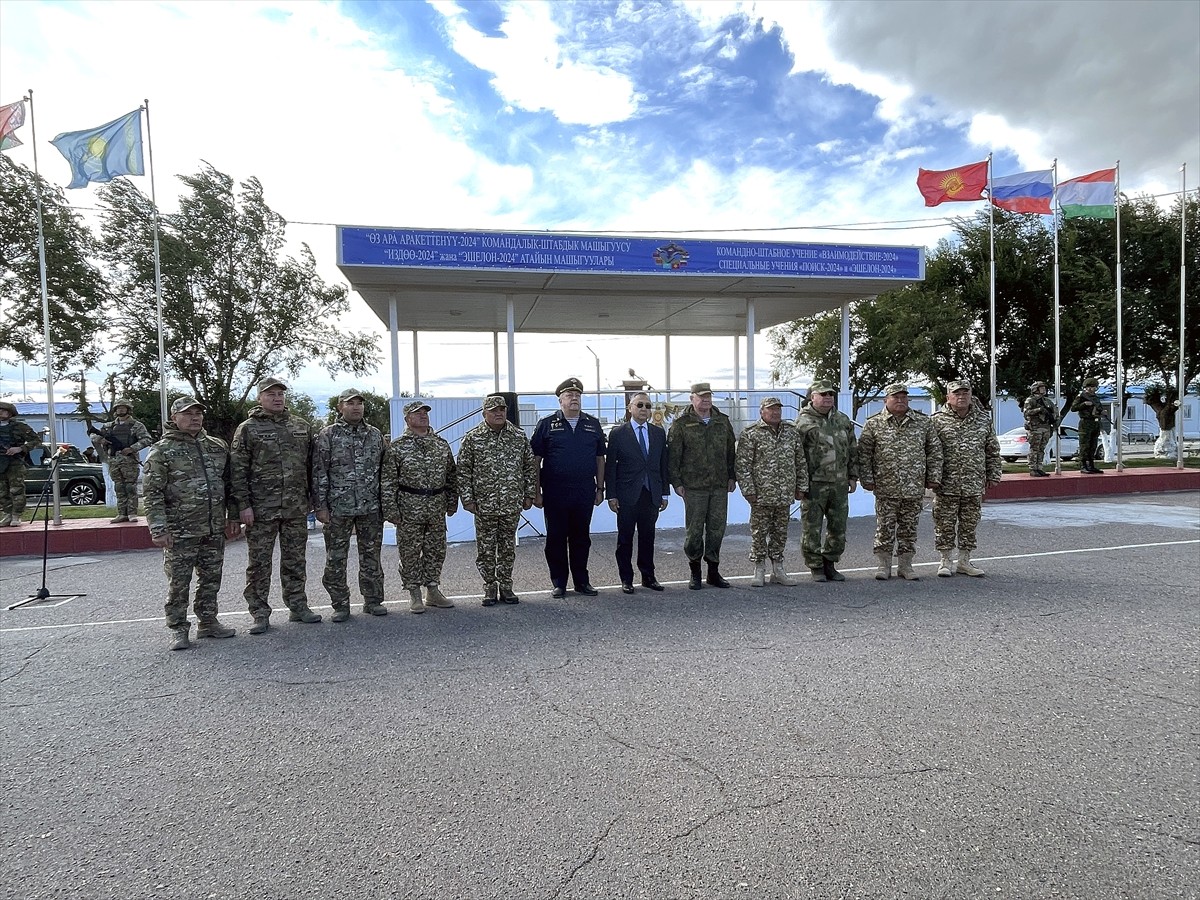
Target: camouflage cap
{"type": "Point", "coordinates": [121, 401]}
{"type": "Point", "coordinates": [413, 406]}
{"type": "Point", "coordinates": [185, 403]}
{"type": "Point", "coordinates": [770, 401]}
{"type": "Point", "coordinates": [959, 384]}
{"type": "Point", "coordinates": [494, 401]}
{"type": "Point", "coordinates": [700, 388]}
{"type": "Point", "coordinates": [269, 382]}
{"type": "Point", "coordinates": [8, 407]}
{"type": "Point", "coordinates": [896, 387]}
{"type": "Point", "coordinates": [571, 384]}
{"type": "Point", "coordinates": [822, 387]}
{"type": "Point", "coordinates": [350, 394]}
{"type": "Point", "coordinates": [1091, 382]}
{"type": "Point", "coordinates": [1038, 384]}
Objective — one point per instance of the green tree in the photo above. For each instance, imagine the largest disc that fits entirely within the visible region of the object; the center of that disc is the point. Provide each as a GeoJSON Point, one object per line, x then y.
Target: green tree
{"type": "Point", "coordinates": [235, 307]}
{"type": "Point", "coordinates": [77, 291]}
{"type": "Point", "coordinates": [379, 412]}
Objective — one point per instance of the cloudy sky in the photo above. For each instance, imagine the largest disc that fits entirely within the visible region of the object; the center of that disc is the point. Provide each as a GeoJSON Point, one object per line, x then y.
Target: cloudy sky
{"type": "Point", "coordinates": [807, 117]}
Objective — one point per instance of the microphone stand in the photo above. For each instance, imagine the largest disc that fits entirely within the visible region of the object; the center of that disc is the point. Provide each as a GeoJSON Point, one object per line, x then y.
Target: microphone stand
{"type": "Point", "coordinates": [43, 593]}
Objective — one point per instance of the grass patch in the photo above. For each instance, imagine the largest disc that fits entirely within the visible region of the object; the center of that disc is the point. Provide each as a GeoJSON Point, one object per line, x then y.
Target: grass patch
{"type": "Point", "coordinates": [98, 511]}
{"type": "Point", "coordinates": [1137, 462]}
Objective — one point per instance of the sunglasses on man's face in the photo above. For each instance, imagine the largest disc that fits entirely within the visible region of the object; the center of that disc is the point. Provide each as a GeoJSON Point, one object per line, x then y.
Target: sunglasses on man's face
{"type": "Point", "coordinates": [642, 405]}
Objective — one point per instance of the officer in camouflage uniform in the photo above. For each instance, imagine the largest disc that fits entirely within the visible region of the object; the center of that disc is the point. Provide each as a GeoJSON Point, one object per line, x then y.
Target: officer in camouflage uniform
{"type": "Point", "coordinates": [16, 440]}
{"type": "Point", "coordinates": [496, 480]}
{"type": "Point", "coordinates": [190, 514]}
{"type": "Point", "coordinates": [1040, 418]}
{"type": "Point", "coordinates": [770, 468]}
{"type": "Point", "coordinates": [123, 465]}
{"type": "Point", "coordinates": [271, 461]}
{"type": "Point", "coordinates": [899, 455]}
{"type": "Point", "coordinates": [970, 465]}
{"type": "Point", "coordinates": [701, 451]}
{"type": "Point", "coordinates": [1091, 413]}
{"type": "Point", "coordinates": [345, 477]}
{"type": "Point", "coordinates": [420, 489]}
{"type": "Point", "coordinates": [831, 454]}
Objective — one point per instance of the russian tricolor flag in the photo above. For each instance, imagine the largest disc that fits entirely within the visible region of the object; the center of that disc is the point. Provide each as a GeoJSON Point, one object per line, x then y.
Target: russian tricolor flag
{"type": "Point", "coordinates": [1027, 192]}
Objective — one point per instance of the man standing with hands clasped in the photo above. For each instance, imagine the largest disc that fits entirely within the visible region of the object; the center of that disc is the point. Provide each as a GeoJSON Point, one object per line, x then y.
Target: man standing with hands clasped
{"type": "Point", "coordinates": [636, 481]}
{"type": "Point", "coordinates": [568, 454]}
{"type": "Point", "coordinates": [831, 452]}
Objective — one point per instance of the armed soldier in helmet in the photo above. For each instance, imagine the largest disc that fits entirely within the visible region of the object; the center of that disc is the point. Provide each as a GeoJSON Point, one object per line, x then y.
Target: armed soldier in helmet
{"type": "Point", "coordinates": [1091, 415]}
{"type": "Point", "coordinates": [16, 440]}
{"type": "Point", "coordinates": [1041, 417]}
{"type": "Point", "coordinates": [119, 443]}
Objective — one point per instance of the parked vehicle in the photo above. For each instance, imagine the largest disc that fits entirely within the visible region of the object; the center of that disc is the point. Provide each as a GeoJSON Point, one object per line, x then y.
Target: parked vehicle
{"type": "Point", "coordinates": [1014, 444]}
{"type": "Point", "coordinates": [81, 482]}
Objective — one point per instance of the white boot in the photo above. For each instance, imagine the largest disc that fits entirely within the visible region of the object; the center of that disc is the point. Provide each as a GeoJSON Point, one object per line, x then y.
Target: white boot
{"type": "Point", "coordinates": [415, 605]}
{"type": "Point", "coordinates": [780, 576]}
{"type": "Point", "coordinates": [884, 572]}
{"type": "Point", "coordinates": [760, 574]}
{"type": "Point", "coordinates": [904, 567]}
{"type": "Point", "coordinates": [945, 567]}
{"type": "Point", "coordinates": [964, 565]}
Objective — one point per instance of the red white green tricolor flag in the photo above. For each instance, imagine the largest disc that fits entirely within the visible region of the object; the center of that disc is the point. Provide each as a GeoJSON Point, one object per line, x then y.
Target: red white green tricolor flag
{"type": "Point", "coordinates": [1089, 196]}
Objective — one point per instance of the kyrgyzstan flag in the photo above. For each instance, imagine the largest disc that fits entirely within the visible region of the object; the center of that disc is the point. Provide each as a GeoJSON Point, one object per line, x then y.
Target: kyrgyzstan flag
{"type": "Point", "coordinates": [962, 183]}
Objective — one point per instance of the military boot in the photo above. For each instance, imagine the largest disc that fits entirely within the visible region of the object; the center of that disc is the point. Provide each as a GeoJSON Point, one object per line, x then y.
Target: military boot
{"type": "Point", "coordinates": [435, 598]}
{"type": "Point", "coordinates": [818, 573]}
{"type": "Point", "coordinates": [904, 567]}
{"type": "Point", "coordinates": [341, 613]}
{"type": "Point", "coordinates": [121, 518]}
{"type": "Point", "coordinates": [964, 565]}
{"type": "Point", "coordinates": [507, 595]}
{"type": "Point", "coordinates": [374, 608]}
{"type": "Point", "coordinates": [831, 573]}
{"type": "Point", "coordinates": [694, 580]}
{"type": "Point", "coordinates": [760, 574]}
{"type": "Point", "coordinates": [5, 519]}
{"type": "Point", "coordinates": [214, 628]}
{"type": "Point", "coordinates": [415, 605]}
{"type": "Point", "coordinates": [179, 638]}
{"type": "Point", "coordinates": [945, 567]}
{"type": "Point", "coordinates": [884, 572]}
{"type": "Point", "coordinates": [780, 576]}
{"type": "Point", "coordinates": [489, 595]}
{"type": "Point", "coordinates": [303, 614]}
{"type": "Point", "coordinates": [714, 577]}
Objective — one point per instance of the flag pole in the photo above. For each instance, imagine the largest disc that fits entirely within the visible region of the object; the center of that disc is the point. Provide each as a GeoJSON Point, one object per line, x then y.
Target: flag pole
{"type": "Point", "coordinates": [992, 298]}
{"type": "Point", "coordinates": [1182, 391]}
{"type": "Point", "coordinates": [1057, 340]}
{"type": "Point", "coordinates": [37, 180]}
{"type": "Point", "coordinates": [1118, 425]}
{"type": "Point", "coordinates": [162, 359]}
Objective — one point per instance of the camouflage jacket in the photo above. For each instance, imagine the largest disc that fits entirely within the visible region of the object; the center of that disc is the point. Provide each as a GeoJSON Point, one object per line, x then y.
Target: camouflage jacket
{"type": "Point", "coordinates": [830, 449]}
{"type": "Point", "coordinates": [16, 434]}
{"type": "Point", "coordinates": [270, 465]}
{"type": "Point", "coordinates": [345, 468]}
{"type": "Point", "coordinates": [702, 457]}
{"type": "Point", "coordinates": [1091, 410]}
{"type": "Point", "coordinates": [770, 463]}
{"type": "Point", "coordinates": [495, 470]}
{"type": "Point", "coordinates": [897, 457]}
{"type": "Point", "coordinates": [419, 462]}
{"type": "Point", "coordinates": [1039, 412]}
{"type": "Point", "coordinates": [185, 484]}
{"type": "Point", "coordinates": [970, 451]}
{"type": "Point", "coordinates": [129, 431]}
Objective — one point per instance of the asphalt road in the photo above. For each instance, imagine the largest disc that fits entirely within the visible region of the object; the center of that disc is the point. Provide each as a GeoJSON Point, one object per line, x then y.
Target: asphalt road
{"type": "Point", "coordinates": [1030, 734]}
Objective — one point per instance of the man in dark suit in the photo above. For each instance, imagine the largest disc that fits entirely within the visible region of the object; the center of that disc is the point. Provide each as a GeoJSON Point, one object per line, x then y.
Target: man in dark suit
{"type": "Point", "coordinates": [637, 485]}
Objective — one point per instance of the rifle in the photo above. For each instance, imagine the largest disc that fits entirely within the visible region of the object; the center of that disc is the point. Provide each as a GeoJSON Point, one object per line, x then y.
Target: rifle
{"type": "Point", "coordinates": [115, 445]}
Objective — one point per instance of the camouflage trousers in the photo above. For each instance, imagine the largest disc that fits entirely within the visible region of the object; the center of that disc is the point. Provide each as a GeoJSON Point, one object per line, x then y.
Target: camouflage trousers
{"type": "Point", "coordinates": [896, 524]}
{"type": "Point", "coordinates": [260, 547]}
{"type": "Point", "coordinates": [827, 508]}
{"type": "Point", "coordinates": [1038, 439]}
{"type": "Point", "coordinates": [1089, 440]}
{"type": "Point", "coordinates": [206, 557]}
{"type": "Point", "coordinates": [422, 547]}
{"type": "Point", "coordinates": [705, 514]}
{"type": "Point", "coordinates": [768, 531]}
{"type": "Point", "coordinates": [12, 489]}
{"type": "Point", "coordinates": [123, 471]}
{"type": "Point", "coordinates": [956, 516]}
{"type": "Point", "coordinates": [368, 532]}
{"type": "Point", "coordinates": [496, 548]}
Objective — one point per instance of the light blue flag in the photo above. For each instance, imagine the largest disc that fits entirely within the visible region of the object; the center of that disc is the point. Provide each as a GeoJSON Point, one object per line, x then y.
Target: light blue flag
{"type": "Point", "coordinates": [101, 154]}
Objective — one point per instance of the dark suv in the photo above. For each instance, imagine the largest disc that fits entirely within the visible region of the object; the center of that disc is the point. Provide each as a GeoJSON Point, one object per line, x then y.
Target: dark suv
{"type": "Point", "coordinates": [81, 482]}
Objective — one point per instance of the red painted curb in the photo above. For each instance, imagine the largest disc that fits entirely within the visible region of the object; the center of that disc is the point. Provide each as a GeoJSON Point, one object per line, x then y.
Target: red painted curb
{"type": "Point", "coordinates": [74, 536]}
{"type": "Point", "coordinates": [1077, 484]}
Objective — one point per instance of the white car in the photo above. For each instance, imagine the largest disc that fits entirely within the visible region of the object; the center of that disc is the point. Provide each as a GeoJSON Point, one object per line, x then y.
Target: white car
{"type": "Point", "coordinates": [1014, 444]}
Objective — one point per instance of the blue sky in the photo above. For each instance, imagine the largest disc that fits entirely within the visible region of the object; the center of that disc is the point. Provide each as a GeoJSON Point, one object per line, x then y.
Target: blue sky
{"type": "Point", "coordinates": [620, 117]}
